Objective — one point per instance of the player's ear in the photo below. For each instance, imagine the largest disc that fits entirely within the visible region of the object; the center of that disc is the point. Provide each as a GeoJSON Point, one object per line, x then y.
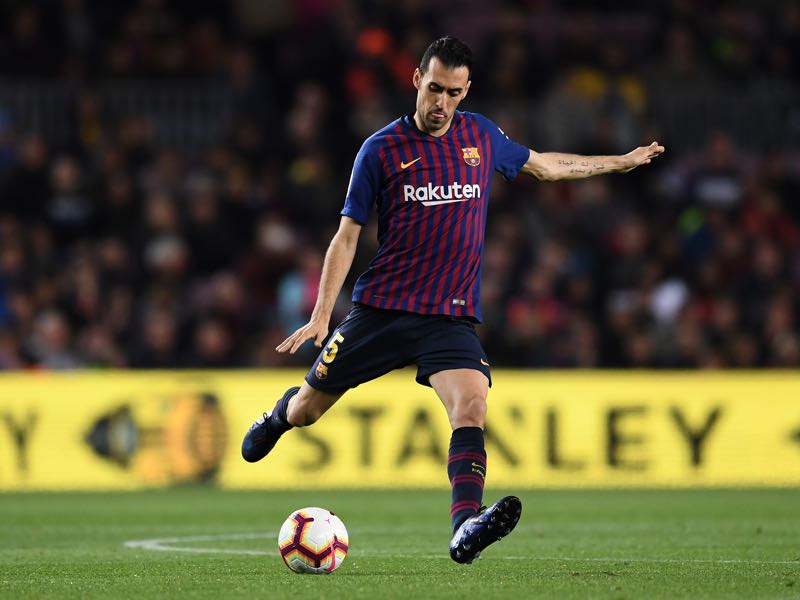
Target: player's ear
{"type": "Point", "coordinates": [417, 77]}
{"type": "Point", "coordinates": [466, 88]}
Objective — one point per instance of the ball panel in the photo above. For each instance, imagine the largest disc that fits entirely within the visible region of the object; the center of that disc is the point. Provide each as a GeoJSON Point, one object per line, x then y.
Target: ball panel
{"type": "Point", "coordinates": [300, 566]}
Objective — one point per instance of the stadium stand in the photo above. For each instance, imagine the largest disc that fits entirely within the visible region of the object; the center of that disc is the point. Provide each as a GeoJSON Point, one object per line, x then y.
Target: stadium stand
{"type": "Point", "coordinates": [169, 179]}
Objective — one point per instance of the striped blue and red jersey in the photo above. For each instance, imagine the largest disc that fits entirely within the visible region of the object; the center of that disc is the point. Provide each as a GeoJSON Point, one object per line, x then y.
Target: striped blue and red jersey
{"type": "Point", "coordinates": [431, 195]}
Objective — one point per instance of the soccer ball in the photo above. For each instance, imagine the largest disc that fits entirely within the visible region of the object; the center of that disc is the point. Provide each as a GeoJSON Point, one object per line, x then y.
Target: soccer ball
{"type": "Point", "coordinates": [313, 540]}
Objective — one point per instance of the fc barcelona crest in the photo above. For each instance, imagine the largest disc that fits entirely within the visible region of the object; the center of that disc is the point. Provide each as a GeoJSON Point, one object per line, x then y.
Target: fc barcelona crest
{"type": "Point", "coordinates": [321, 372]}
{"type": "Point", "coordinates": [471, 156]}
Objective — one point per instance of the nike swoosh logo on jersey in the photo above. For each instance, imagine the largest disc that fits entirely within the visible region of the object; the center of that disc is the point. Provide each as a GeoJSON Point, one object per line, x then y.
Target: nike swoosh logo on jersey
{"type": "Point", "coordinates": [483, 362]}
{"type": "Point", "coordinates": [405, 165]}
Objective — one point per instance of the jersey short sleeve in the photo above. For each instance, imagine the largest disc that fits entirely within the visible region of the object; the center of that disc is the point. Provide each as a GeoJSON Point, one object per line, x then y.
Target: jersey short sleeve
{"type": "Point", "coordinates": [364, 183]}
{"type": "Point", "coordinates": [509, 156]}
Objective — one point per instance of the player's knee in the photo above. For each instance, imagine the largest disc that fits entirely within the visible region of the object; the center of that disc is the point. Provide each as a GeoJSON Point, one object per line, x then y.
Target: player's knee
{"type": "Point", "coordinates": [469, 411]}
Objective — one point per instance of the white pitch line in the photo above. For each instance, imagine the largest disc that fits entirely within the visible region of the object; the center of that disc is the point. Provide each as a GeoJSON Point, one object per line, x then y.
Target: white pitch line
{"type": "Point", "coordinates": [167, 544]}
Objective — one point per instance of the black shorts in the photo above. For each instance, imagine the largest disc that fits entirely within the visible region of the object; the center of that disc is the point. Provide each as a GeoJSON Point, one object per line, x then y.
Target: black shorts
{"type": "Point", "coordinates": [370, 342]}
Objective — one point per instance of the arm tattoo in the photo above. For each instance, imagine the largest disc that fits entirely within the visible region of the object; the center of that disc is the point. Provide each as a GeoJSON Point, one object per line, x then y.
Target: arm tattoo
{"type": "Point", "coordinates": [582, 167]}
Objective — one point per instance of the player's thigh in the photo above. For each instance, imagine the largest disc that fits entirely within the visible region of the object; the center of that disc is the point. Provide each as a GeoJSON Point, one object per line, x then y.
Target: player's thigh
{"type": "Point", "coordinates": [366, 345]}
{"type": "Point", "coordinates": [450, 359]}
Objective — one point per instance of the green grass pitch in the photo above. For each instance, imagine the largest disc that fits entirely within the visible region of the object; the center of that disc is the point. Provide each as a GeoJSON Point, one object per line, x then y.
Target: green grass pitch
{"type": "Point", "coordinates": [206, 543]}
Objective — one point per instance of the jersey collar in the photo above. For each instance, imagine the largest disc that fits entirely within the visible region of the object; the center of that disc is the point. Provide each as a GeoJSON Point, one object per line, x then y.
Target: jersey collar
{"type": "Point", "coordinates": [408, 121]}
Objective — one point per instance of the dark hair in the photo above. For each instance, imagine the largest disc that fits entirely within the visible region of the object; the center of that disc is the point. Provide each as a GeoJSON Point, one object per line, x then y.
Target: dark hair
{"type": "Point", "coordinates": [450, 51]}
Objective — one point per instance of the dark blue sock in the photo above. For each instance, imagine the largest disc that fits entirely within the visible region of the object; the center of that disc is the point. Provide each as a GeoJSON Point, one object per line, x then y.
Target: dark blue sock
{"type": "Point", "coordinates": [278, 420]}
{"type": "Point", "coordinates": [466, 469]}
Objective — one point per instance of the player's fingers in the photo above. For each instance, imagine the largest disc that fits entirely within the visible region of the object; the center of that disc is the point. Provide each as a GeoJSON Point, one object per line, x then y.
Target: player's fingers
{"type": "Point", "coordinates": [296, 344]}
{"type": "Point", "coordinates": [287, 343]}
{"type": "Point", "coordinates": [284, 345]}
{"type": "Point", "coordinates": [318, 339]}
{"type": "Point", "coordinates": [299, 341]}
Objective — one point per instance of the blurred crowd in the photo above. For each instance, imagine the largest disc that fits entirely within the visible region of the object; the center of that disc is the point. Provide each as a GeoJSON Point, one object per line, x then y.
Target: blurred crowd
{"type": "Point", "coordinates": [117, 250]}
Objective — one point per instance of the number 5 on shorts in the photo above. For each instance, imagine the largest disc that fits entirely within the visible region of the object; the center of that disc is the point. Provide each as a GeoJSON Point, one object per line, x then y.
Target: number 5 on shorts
{"type": "Point", "coordinates": [332, 349]}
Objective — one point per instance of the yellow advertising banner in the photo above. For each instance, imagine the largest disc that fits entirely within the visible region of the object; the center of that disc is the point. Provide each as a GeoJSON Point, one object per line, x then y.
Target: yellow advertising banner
{"type": "Point", "coordinates": [129, 430]}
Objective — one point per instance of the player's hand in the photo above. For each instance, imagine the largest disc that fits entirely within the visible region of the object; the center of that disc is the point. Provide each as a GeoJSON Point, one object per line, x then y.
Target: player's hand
{"type": "Point", "coordinates": [642, 155]}
{"type": "Point", "coordinates": [313, 330]}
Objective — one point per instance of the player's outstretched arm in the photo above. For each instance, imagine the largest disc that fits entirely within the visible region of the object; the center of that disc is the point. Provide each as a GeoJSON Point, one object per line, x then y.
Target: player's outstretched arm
{"type": "Point", "coordinates": [338, 260]}
{"type": "Point", "coordinates": [554, 166]}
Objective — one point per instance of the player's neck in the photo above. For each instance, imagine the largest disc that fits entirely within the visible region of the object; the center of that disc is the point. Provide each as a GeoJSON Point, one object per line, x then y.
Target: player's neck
{"type": "Point", "coordinates": [438, 133]}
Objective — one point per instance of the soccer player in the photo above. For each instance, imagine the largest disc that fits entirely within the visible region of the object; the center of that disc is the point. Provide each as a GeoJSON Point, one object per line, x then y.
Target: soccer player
{"type": "Point", "coordinates": [429, 175]}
